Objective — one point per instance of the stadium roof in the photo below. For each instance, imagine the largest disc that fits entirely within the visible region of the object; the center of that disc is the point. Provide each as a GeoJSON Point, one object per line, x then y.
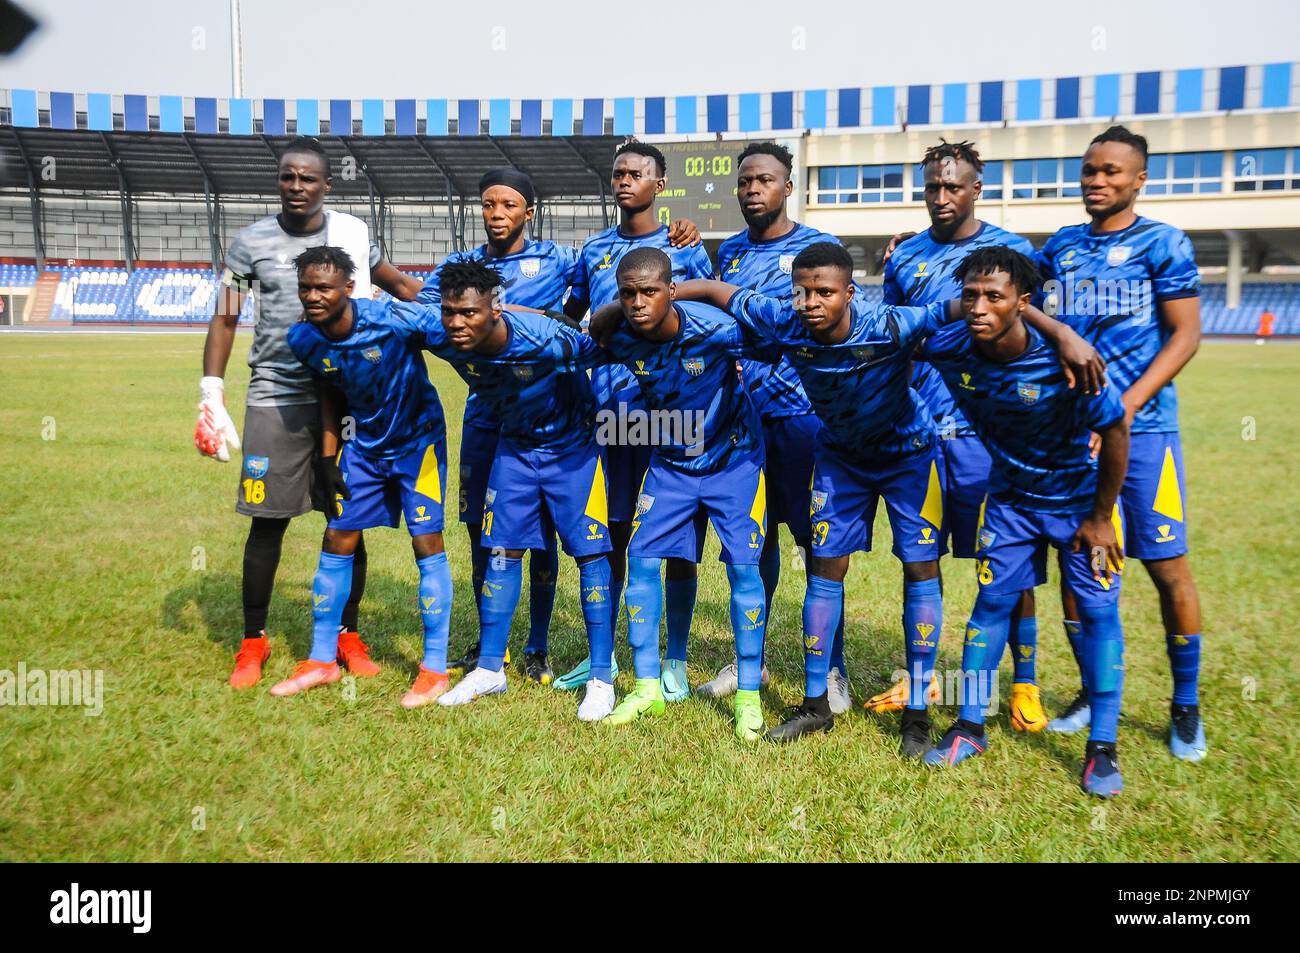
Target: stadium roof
{"type": "Point", "coordinates": [399, 168]}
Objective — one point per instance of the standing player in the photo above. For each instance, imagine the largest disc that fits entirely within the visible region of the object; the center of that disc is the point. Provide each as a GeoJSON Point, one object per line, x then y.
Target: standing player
{"type": "Point", "coordinates": [760, 259]}
{"type": "Point", "coordinates": [919, 271]}
{"type": "Point", "coordinates": [683, 356]}
{"type": "Point", "coordinates": [877, 440]}
{"type": "Point", "coordinates": [534, 274]}
{"type": "Point", "coordinates": [1130, 286]}
{"type": "Point", "coordinates": [548, 474]}
{"type": "Point", "coordinates": [282, 420]}
{"type": "Point", "coordinates": [1044, 489]}
{"type": "Point", "coordinates": [395, 466]}
{"type": "Point", "coordinates": [638, 177]}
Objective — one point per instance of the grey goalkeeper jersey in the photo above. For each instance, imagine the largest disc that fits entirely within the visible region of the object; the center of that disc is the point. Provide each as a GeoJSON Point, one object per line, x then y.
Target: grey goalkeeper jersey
{"type": "Point", "coordinates": [260, 260]}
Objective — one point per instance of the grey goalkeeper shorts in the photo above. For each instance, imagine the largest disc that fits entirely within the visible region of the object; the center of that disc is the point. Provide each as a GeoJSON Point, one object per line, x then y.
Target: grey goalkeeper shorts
{"type": "Point", "coordinates": [276, 476]}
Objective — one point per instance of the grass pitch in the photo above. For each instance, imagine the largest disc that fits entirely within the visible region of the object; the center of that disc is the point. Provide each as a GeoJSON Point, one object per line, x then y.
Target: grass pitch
{"type": "Point", "coordinates": [102, 528]}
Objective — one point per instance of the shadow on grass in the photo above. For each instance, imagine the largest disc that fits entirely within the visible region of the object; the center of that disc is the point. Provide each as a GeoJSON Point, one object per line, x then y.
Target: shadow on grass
{"type": "Point", "coordinates": [388, 610]}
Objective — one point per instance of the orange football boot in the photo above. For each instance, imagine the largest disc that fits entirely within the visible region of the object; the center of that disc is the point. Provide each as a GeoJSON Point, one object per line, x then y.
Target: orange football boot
{"type": "Point", "coordinates": [895, 697]}
{"type": "Point", "coordinates": [355, 655]}
{"type": "Point", "coordinates": [248, 661]}
{"type": "Point", "coordinates": [428, 686]}
{"type": "Point", "coordinates": [308, 674]}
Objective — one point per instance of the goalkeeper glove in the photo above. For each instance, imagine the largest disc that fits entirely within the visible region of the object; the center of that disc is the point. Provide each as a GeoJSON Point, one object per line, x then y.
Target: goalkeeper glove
{"type": "Point", "coordinates": [214, 430]}
{"type": "Point", "coordinates": [332, 482]}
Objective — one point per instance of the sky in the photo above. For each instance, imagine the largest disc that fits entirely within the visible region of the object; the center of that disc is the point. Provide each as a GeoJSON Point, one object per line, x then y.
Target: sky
{"type": "Point", "coordinates": [394, 49]}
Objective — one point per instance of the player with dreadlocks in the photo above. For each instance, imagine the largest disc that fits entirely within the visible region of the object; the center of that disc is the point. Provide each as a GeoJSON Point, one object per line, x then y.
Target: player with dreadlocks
{"type": "Point", "coordinates": [923, 270]}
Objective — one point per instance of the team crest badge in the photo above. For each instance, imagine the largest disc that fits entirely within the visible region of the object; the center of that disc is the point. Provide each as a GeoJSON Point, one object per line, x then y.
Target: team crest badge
{"type": "Point", "coordinates": [489, 497]}
{"type": "Point", "coordinates": [373, 354]}
{"type": "Point", "coordinates": [818, 500]}
{"type": "Point", "coordinates": [1118, 255]}
{"type": "Point", "coordinates": [864, 353]}
{"type": "Point", "coordinates": [1028, 392]}
{"type": "Point", "coordinates": [643, 504]}
{"type": "Point", "coordinates": [523, 372]}
{"type": "Point", "coordinates": [786, 263]}
{"type": "Point", "coordinates": [693, 366]}
{"type": "Point", "coordinates": [256, 467]}
{"type": "Point", "coordinates": [987, 538]}
{"type": "Point", "coordinates": [529, 267]}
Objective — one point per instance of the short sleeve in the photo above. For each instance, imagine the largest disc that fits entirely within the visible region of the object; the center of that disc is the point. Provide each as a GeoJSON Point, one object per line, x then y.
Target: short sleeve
{"type": "Point", "coordinates": [579, 288]}
{"type": "Point", "coordinates": [572, 351]}
{"type": "Point", "coordinates": [431, 293]}
{"type": "Point", "coordinates": [412, 318]}
{"type": "Point", "coordinates": [568, 259]}
{"type": "Point", "coordinates": [1175, 275]}
{"type": "Point", "coordinates": [892, 293]}
{"type": "Point", "coordinates": [759, 315]}
{"type": "Point", "coordinates": [699, 264]}
{"type": "Point", "coordinates": [300, 344]}
{"type": "Point", "coordinates": [238, 272]}
{"type": "Point", "coordinates": [1106, 408]}
{"type": "Point", "coordinates": [915, 324]}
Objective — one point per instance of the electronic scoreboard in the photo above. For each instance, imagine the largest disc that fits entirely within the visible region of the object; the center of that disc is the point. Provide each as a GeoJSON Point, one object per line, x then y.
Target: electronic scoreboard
{"type": "Point", "coordinates": [702, 184]}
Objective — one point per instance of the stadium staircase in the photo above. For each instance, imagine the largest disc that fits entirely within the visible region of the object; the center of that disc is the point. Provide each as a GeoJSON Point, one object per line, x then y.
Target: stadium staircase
{"type": "Point", "coordinates": [46, 288]}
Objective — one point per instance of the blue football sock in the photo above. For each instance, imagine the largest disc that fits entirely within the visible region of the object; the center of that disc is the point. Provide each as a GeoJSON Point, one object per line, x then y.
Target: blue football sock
{"type": "Point", "coordinates": [1185, 664]}
{"type": "Point", "coordinates": [748, 623]}
{"type": "Point", "coordinates": [615, 604]}
{"type": "Point", "coordinates": [478, 560]}
{"type": "Point", "coordinates": [1103, 654]}
{"type": "Point", "coordinates": [596, 593]}
{"type": "Point", "coordinates": [986, 639]}
{"type": "Point", "coordinates": [645, 606]}
{"type": "Point", "coordinates": [329, 593]}
{"type": "Point", "coordinates": [681, 606]}
{"type": "Point", "coordinates": [837, 643]}
{"type": "Point", "coordinates": [543, 567]}
{"type": "Point", "coordinates": [1024, 649]}
{"type": "Point", "coordinates": [435, 609]}
{"type": "Point", "coordinates": [505, 577]}
{"type": "Point", "coordinates": [922, 623]}
{"type": "Point", "coordinates": [1074, 632]}
{"type": "Point", "coordinates": [823, 605]}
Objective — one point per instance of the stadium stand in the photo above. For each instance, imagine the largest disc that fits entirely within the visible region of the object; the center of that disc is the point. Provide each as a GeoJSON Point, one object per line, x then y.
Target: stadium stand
{"type": "Point", "coordinates": [178, 175]}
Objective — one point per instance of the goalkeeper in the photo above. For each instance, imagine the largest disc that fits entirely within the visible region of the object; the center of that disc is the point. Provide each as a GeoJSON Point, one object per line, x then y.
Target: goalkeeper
{"type": "Point", "coordinates": [281, 475]}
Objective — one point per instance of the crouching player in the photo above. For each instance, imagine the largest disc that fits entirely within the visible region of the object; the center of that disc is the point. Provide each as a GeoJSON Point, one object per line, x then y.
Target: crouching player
{"type": "Point", "coordinates": [548, 474]}
{"type": "Point", "coordinates": [394, 466]}
{"type": "Point", "coordinates": [1044, 489]}
{"type": "Point", "coordinates": [683, 355]}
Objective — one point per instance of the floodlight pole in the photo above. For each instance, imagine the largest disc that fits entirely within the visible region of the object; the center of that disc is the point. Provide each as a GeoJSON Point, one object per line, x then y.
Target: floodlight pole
{"type": "Point", "coordinates": [236, 52]}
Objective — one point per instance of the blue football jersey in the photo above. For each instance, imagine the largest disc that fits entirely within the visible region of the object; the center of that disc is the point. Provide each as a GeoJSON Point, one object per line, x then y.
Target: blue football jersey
{"type": "Point", "coordinates": [596, 283]}
{"type": "Point", "coordinates": [919, 272]}
{"type": "Point", "coordinates": [1108, 287]}
{"type": "Point", "coordinates": [765, 267]}
{"type": "Point", "coordinates": [537, 276]}
{"type": "Point", "coordinates": [858, 387]}
{"type": "Point", "coordinates": [1034, 426]}
{"type": "Point", "coordinates": [693, 378]}
{"type": "Point", "coordinates": [536, 386]}
{"type": "Point", "coordinates": [379, 367]}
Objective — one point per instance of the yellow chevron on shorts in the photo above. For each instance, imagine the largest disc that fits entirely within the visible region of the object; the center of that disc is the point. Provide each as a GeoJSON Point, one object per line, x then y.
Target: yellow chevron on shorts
{"type": "Point", "coordinates": [1118, 524]}
{"type": "Point", "coordinates": [427, 483]}
{"type": "Point", "coordinates": [758, 512]}
{"type": "Point", "coordinates": [597, 502]}
{"type": "Point", "coordinates": [932, 508]}
{"type": "Point", "coordinates": [1169, 499]}
{"type": "Point", "coordinates": [979, 526]}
